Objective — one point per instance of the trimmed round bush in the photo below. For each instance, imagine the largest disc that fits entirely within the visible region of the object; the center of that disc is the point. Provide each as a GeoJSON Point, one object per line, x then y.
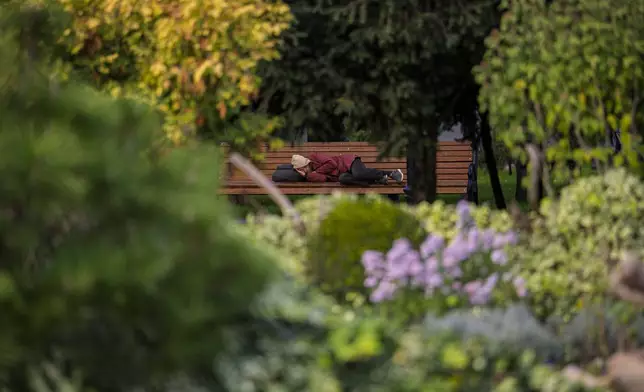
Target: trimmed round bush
{"type": "Point", "coordinates": [350, 229]}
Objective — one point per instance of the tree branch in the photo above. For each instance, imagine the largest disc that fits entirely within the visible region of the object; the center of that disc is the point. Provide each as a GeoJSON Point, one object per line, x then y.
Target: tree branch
{"type": "Point", "coordinates": [273, 192]}
{"type": "Point", "coordinates": [537, 172]}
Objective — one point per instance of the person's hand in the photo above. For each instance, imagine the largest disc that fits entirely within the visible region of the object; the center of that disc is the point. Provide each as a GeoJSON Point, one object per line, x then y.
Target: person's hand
{"type": "Point", "coordinates": [301, 171]}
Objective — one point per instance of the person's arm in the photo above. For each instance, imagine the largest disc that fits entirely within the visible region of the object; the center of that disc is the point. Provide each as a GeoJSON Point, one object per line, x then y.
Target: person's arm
{"type": "Point", "coordinates": [321, 172]}
{"type": "Point", "coordinates": [315, 177]}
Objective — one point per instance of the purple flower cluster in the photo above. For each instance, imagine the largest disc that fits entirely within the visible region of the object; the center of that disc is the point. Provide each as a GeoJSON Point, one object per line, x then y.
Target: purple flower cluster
{"type": "Point", "coordinates": [438, 268]}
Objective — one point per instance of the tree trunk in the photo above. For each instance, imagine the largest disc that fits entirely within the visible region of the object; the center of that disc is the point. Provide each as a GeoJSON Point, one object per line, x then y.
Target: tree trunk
{"type": "Point", "coordinates": [430, 148]}
{"type": "Point", "coordinates": [520, 193]}
{"type": "Point", "coordinates": [421, 164]}
{"type": "Point", "coordinates": [490, 162]}
{"type": "Point", "coordinates": [414, 180]}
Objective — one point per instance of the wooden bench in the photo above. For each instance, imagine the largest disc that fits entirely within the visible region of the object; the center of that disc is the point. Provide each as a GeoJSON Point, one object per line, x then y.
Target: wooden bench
{"type": "Point", "coordinates": [453, 162]}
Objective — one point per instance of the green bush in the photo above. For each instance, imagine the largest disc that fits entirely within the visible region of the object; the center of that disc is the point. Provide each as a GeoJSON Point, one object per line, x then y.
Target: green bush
{"type": "Point", "coordinates": [445, 362]}
{"type": "Point", "coordinates": [119, 267]}
{"type": "Point", "coordinates": [440, 218]}
{"type": "Point", "coordinates": [300, 340]}
{"type": "Point", "coordinates": [278, 235]}
{"type": "Point", "coordinates": [564, 259]}
{"type": "Point", "coordinates": [351, 228]}
{"type": "Point", "coordinates": [284, 238]}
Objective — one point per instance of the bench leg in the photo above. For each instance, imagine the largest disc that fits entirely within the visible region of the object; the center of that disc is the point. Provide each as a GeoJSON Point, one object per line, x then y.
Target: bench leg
{"type": "Point", "coordinates": [238, 199]}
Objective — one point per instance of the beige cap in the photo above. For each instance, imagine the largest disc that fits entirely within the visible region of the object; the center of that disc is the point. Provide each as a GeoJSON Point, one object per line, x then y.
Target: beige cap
{"type": "Point", "coordinates": [299, 161]}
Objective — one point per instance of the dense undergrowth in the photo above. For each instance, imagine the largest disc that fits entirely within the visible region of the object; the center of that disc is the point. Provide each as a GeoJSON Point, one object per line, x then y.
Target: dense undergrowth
{"type": "Point", "coordinates": [476, 279]}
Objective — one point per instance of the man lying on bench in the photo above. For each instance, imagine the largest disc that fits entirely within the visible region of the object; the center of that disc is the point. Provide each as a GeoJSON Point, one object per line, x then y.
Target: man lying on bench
{"type": "Point", "coordinates": [347, 169]}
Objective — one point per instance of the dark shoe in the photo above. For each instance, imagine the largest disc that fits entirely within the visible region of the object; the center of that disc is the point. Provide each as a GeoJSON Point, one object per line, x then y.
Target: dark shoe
{"type": "Point", "coordinates": [397, 175]}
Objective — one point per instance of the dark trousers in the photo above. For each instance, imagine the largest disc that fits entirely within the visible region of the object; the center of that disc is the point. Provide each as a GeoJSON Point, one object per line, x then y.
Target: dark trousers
{"type": "Point", "coordinates": [360, 174]}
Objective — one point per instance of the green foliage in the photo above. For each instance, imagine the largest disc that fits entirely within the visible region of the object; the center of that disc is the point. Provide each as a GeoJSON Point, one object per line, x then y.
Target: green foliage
{"type": "Point", "coordinates": [594, 221]}
{"type": "Point", "coordinates": [404, 64]}
{"type": "Point", "coordinates": [281, 345]}
{"type": "Point", "coordinates": [119, 267]}
{"type": "Point", "coordinates": [120, 271]}
{"type": "Point", "coordinates": [281, 235]}
{"type": "Point", "coordinates": [470, 270]}
{"type": "Point", "coordinates": [383, 46]}
{"type": "Point", "coordinates": [513, 327]}
{"type": "Point", "coordinates": [571, 71]}
{"type": "Point", "coordinates": [299, 339]}
{"type": "Point", "coordinates": [195, 60]}
{"type": "Point", "coordinates": [427, 360]}
{"type": "Point", "coordinates": [440, 218]}
{"type": "Point", "coordinates": [351, 228]}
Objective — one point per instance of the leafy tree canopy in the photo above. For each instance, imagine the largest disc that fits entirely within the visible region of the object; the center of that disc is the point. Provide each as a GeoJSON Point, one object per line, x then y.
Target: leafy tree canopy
{"type": "Point", "coordinates": [194, 59]}
{"type": "Point", "coordinates": [573, 72]}
{"type": "Point", "coordinates": [394, 69]}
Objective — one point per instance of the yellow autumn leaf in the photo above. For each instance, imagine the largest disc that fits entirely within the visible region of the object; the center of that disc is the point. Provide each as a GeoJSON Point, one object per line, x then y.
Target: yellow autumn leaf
{"type": "Point", "coordinates": [625, 122]}
{"type": "Point", "coordinates": [582, 100]}
{"type": "Point", "coordinates": [198, 74]}
{"type": "Point", "coordinates": [92, 23]}
{"type": "Point", "coordinates": [454, 357]}
{"type": "Point", "coordinates": [612, 121]}
{"type": "Point", "coordinates": [520, 84]}
{"type": "Point", "coordinates": [180, 49]}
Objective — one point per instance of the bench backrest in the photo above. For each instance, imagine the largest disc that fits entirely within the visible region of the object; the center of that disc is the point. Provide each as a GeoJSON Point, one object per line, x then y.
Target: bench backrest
{"type": "Point", "coordinates": [453, 160]}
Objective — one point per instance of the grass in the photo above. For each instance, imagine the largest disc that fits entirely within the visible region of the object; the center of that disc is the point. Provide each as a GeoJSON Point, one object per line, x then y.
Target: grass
{"type": "Point", "coordinates": [263, 203]}
{"type": "Point", "coordinates": [508, 184]}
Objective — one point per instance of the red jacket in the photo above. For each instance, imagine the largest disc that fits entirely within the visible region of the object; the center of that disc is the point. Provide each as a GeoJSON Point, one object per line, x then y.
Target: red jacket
{"type": "Point", "coordinates": [327, 168]}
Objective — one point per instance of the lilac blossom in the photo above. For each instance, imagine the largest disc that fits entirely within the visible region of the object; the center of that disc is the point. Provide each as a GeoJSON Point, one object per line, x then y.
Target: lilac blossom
{"type": "Point", "coordinates": [471, 264]}
{"type": "Point", "coordinates": [384, 291]}
{"type": "Point", "coordinates": [431, 245]}
{"type": "Point", "coordinates": [499, 257]}
{"type": "Point", "coordinates": [464, 216]}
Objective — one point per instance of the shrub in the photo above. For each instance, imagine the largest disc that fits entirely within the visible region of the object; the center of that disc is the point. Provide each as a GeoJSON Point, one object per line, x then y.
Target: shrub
{"type": "Point", "coordinates": [281, 235]}
{"type": "Point", "coordinates": [297, 340]}
{"type": "Point", "coordinates": [433, 360]}
{"type": "Point", "coordinates": [117, 266]}
{"type": "Point", "coordinates": [280, 346]}
{"type": "Point", "coordinates": [472, 269]}
{"type": "Point", "coordinates": [513, 327]}
{"type": "Point", "coordinates": [441, 219]}
{"type": "Point", "coordinates": [347, 231]}
{"type": "Point", "coordinates": [564, 259]}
